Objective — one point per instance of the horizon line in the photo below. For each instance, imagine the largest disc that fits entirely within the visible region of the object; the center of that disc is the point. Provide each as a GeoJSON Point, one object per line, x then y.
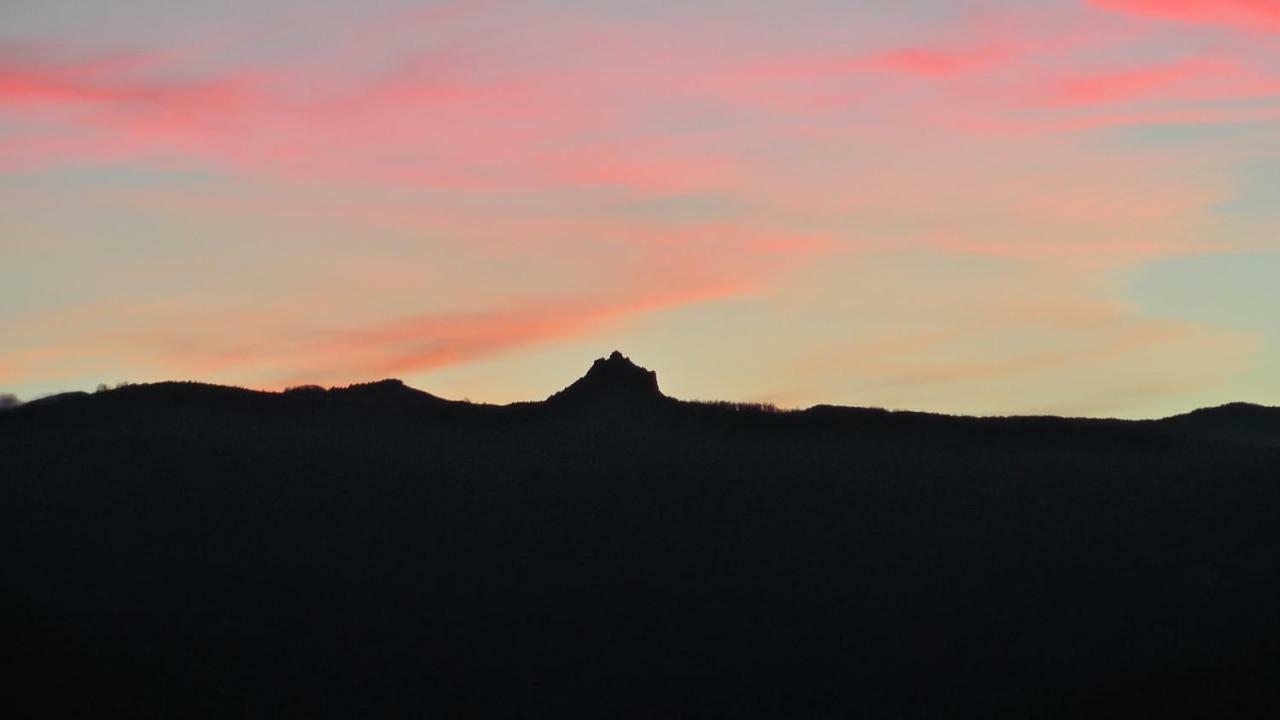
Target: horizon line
{"type": "Point", "coordinates": [15, 401]}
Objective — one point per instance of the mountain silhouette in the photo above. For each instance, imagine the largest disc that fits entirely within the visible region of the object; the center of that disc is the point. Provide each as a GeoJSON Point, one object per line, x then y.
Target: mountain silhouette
{"type": "Point", "coordinates": [190, 550]}
{"type": "Point", "coordinates": [611, 380]}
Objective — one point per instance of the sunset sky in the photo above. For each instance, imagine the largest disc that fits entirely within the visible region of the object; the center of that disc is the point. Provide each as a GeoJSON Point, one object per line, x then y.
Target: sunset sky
{"type": "Point", "coordinates": [1060, 206]}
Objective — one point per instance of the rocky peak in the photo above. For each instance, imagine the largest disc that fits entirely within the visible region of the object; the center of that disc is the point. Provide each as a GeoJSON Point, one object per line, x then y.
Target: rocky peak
{"type": "Point", "coordinates": [610, 379]}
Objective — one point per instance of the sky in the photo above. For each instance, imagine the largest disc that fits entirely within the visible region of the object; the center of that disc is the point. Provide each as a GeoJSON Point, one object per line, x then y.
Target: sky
{"type": "Point", "coordinates": [964, 206]}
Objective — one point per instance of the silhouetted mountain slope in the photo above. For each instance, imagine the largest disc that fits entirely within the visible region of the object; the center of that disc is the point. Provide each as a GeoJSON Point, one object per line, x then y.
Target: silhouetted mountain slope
{"type": "Point", "coordinates": [194, 551]}
{"type": "Point", "coordinates": [1238, 422]}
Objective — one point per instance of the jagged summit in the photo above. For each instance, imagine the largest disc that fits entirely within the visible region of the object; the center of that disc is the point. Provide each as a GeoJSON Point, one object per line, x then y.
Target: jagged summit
{"type": "Point", "coordinates": [611, 379]}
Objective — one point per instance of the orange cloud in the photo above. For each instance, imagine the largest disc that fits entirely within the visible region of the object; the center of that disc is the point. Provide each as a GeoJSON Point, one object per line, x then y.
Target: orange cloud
{"type": "Point", "coordinates": [290, 354]}
{"type": "Point", "coordinates": [330, 334]}
{"type": "Point", "coordinates": [432, 341]}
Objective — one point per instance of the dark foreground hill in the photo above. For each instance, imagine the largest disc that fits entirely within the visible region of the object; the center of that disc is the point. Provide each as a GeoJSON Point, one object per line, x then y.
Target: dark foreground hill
{"type": "Point", "coordinates": [183, 550]}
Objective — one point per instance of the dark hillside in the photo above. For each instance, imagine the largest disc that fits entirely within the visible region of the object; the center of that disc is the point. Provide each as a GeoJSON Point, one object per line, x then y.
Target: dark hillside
{"type": "Point", "coordinates": [1242, 423]}
{"type": "Point", "coordinates": [185, 550]}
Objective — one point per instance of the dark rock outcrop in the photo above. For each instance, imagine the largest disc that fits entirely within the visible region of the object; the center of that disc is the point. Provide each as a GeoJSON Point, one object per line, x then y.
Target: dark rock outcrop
{"type": "Point", "coordinates": [612, 380]}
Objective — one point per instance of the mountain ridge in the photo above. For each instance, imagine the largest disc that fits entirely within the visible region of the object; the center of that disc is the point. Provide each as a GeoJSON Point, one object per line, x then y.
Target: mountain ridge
{"type": "Point", "coordinates": [609, 380]}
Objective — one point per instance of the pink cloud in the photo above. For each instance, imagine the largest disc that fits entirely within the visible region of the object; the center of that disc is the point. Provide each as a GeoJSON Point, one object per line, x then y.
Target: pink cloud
{"type": "Point", "coordinates": [488, 118]}
{"type": "Point", "coordinates": [1128, 84]}
{"type": "Point", "coordinates": [27, 83]}
{"type": "Point", "coordinates": [121, 106]}
{"type": "Point", "coordinates": [936, 62]}
{"type": "Point", "coordinates": [1031, 125]}
{"type": "Point", "coordinates": [120, 82]}
{"type": "Point", "coordinates": [431, 120]}
{"type": "Point", "coordinates": [1190, 79]}
{"type": "Point", "coordinates": [1252, 15]}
